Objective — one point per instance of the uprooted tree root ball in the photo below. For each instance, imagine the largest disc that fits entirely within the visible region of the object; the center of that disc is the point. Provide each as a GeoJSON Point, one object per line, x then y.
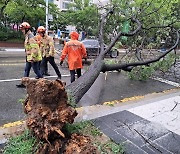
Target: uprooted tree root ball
{"type": "Point", "coordinates": [47, 112]}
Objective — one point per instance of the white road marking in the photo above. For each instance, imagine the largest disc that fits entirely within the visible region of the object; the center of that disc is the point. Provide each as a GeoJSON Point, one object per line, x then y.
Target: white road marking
{"type": "Point", "coordinates": [11, 80]}
{"type": "Point", "coordinates": [13, 61]}
{"type": "Point", "coordinates": [13, 49]}
{"type": "Point", "coordinates": [166, 81]}
{"type": "Point", "coordinates": [11, 64]}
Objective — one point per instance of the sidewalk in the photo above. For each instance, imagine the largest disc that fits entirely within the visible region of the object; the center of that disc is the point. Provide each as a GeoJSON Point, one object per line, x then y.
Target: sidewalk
{"type": "Point", "coordinates": [150, 128]}
{"type": "Point", "coordinates": [149, 125]}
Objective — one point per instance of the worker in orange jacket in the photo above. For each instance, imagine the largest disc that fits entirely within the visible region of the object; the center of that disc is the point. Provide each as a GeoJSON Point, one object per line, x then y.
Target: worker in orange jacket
{"type": "Point", "coordinates": [75, 51]}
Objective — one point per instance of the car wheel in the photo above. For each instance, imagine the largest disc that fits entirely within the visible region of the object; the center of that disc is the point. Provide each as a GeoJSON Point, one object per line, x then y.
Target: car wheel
{"type": "Point", "coordinates": [114, 53]}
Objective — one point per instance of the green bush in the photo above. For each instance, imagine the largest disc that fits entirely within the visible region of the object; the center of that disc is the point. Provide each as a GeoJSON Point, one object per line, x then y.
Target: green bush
{"type": "Point", "coordinates": [3, 36]}
{"type": "Point", "coordinates": [9, 34]}
{"type": "Point", "coordinates": [144, 72]}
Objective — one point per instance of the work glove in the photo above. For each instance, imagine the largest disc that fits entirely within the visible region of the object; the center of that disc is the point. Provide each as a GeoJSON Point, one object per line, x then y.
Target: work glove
{"type": "Point", "coordinates": [61, 62]}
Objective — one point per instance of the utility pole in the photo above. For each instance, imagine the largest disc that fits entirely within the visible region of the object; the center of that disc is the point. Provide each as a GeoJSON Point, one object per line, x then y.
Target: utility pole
{"type": "Point", "coordinates": [46, 16]}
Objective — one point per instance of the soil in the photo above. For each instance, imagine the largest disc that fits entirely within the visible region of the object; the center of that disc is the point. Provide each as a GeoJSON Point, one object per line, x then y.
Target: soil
{"type": "Point", "coordinates": [47, 112]}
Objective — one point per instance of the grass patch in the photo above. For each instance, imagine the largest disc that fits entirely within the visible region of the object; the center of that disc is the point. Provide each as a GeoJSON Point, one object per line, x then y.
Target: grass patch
{"type": "Point", "coordinates": [21, 100]}
{"type": "Point", "coordinates": [26, 143]}
{"type": "Point", "coordinates": [102, 142]}
{"type": "Point", "coordinates": [21, 144]}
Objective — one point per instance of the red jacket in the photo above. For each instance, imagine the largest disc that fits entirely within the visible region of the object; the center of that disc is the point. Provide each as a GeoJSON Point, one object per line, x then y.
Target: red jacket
{"type": "Point", "coordinates": [75, 51]}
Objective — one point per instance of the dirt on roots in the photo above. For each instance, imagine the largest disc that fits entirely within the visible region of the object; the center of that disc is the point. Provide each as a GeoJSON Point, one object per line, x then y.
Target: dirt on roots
{"type": "Point", "coordinates": [47, 112]}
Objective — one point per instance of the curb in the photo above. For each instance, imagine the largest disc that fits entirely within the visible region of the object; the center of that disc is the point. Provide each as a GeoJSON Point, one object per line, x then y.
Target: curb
{"type": "Point", "coordinates": [10, 130]}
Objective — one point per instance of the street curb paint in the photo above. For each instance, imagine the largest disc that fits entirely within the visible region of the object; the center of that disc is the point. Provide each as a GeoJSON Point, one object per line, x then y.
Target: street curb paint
{"type": "Point", "coordinates": [16, 123]}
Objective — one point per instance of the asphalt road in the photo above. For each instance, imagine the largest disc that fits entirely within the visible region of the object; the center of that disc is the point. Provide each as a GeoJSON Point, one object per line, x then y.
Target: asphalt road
{"type": "Point", "coordinates": [108, 87]}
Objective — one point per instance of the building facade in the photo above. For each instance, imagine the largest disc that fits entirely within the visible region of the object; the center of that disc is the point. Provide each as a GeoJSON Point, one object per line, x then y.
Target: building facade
{"type": "Point", "coordinates": [63, 4]}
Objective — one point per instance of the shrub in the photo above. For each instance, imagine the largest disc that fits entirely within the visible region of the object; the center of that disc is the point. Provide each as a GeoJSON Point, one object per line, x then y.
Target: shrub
{"type": "Point", "coordinates": [7, 34]}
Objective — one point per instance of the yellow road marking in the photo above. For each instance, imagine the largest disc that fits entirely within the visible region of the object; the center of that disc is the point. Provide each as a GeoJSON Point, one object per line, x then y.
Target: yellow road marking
{"type": "Point", "coordinates": [16, 123]}
{"type": "Point", "coordinates": [123, 100]}
{"type": "Point", "coordinates": [111, 103]}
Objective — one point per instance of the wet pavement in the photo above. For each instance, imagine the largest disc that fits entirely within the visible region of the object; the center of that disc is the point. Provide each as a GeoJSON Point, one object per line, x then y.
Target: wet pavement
{"type": "Point", "coordinates": [149, 128]}
{"type": "Point", "coordinates": [108, 86]}
{"type": "Point", "coordinates": [138, 135]}
{"type": "Point", "coordinates": [143, 126]}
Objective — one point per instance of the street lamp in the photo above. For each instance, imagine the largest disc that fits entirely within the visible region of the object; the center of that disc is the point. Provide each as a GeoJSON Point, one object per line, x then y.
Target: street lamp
{"type": "Point", "coordinates": [46, 16]}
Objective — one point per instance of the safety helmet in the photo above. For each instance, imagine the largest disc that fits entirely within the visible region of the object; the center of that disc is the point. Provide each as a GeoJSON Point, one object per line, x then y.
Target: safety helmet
{"type": "Point", "coordinates": [41, 29]}
{"type": "Point", "coordinates": [24, 25]}
{"type": "Point", "coordinates": [74, 35]}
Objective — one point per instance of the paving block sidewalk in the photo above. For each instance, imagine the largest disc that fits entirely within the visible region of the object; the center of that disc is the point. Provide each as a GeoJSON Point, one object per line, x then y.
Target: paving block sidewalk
{"type": "Point", "coordinates": [138, 135]}
{"type": "Point", "coordinates": [151, 128]}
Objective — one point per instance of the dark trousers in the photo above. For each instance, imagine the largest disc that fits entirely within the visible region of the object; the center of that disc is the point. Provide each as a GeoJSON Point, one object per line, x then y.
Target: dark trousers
{"type": "Point", "coordinates": [46, 67]}
{"type": "Point", "coordinates": [53, 64]}
{"type": "Point", "coordinates": [35, 66]}
{"type": "Point", "coordinates": [73, 72]}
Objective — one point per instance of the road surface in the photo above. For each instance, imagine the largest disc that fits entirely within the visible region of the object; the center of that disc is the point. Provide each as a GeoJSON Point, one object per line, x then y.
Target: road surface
{"type": "Point", "coordinates": [108, 87]}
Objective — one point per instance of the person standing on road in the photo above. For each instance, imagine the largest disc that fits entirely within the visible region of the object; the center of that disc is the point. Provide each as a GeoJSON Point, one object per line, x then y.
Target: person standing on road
{"type": "Point", "coordinates": [75, 50]}
{"type": "Point", "coordinates": [33, 54]}
{"type": "Point", "coordinates": [38, 39]}
{"type": "Point", "coordinates": [48, 51]}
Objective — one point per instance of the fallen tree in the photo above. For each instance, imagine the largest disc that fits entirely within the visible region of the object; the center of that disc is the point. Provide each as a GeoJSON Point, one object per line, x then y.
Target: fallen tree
{"type": "Point", "coordinates": [47, 102]}
{"type": "Point", "coordinates": [78, 88]}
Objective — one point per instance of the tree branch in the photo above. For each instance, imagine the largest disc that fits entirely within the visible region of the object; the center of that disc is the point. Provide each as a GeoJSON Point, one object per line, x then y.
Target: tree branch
{"type": "Point", "coordinates": [101, 29]}
{"type": "Point", "coordinates": [161, 26]}
{"type": "Point", "coordinates": [129, 67]}
{"type": "Point", "coordinates": [123, 34]}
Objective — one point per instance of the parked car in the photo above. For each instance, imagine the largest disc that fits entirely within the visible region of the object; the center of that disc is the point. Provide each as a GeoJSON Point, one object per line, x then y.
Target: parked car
{"type": "Point", "coordinates": [93, 49]}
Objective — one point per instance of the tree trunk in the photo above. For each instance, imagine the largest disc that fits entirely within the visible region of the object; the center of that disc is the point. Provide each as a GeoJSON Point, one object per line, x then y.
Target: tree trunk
{"type": "Point", "coordinates": [79, 87]}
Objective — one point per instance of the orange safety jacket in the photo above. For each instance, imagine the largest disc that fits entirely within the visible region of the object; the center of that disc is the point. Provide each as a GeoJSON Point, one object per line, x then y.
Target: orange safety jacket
{"type": "Point", "coordinates": [75, 51]}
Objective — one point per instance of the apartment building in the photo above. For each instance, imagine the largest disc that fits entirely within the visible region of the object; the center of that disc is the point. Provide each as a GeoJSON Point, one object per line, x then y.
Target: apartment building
{"type": "Point", "coordinates": [63, 4]}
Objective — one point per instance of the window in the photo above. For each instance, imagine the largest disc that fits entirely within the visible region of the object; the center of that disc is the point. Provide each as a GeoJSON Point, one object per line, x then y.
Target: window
{"type": "Point", "coordinates": [65, 5]}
